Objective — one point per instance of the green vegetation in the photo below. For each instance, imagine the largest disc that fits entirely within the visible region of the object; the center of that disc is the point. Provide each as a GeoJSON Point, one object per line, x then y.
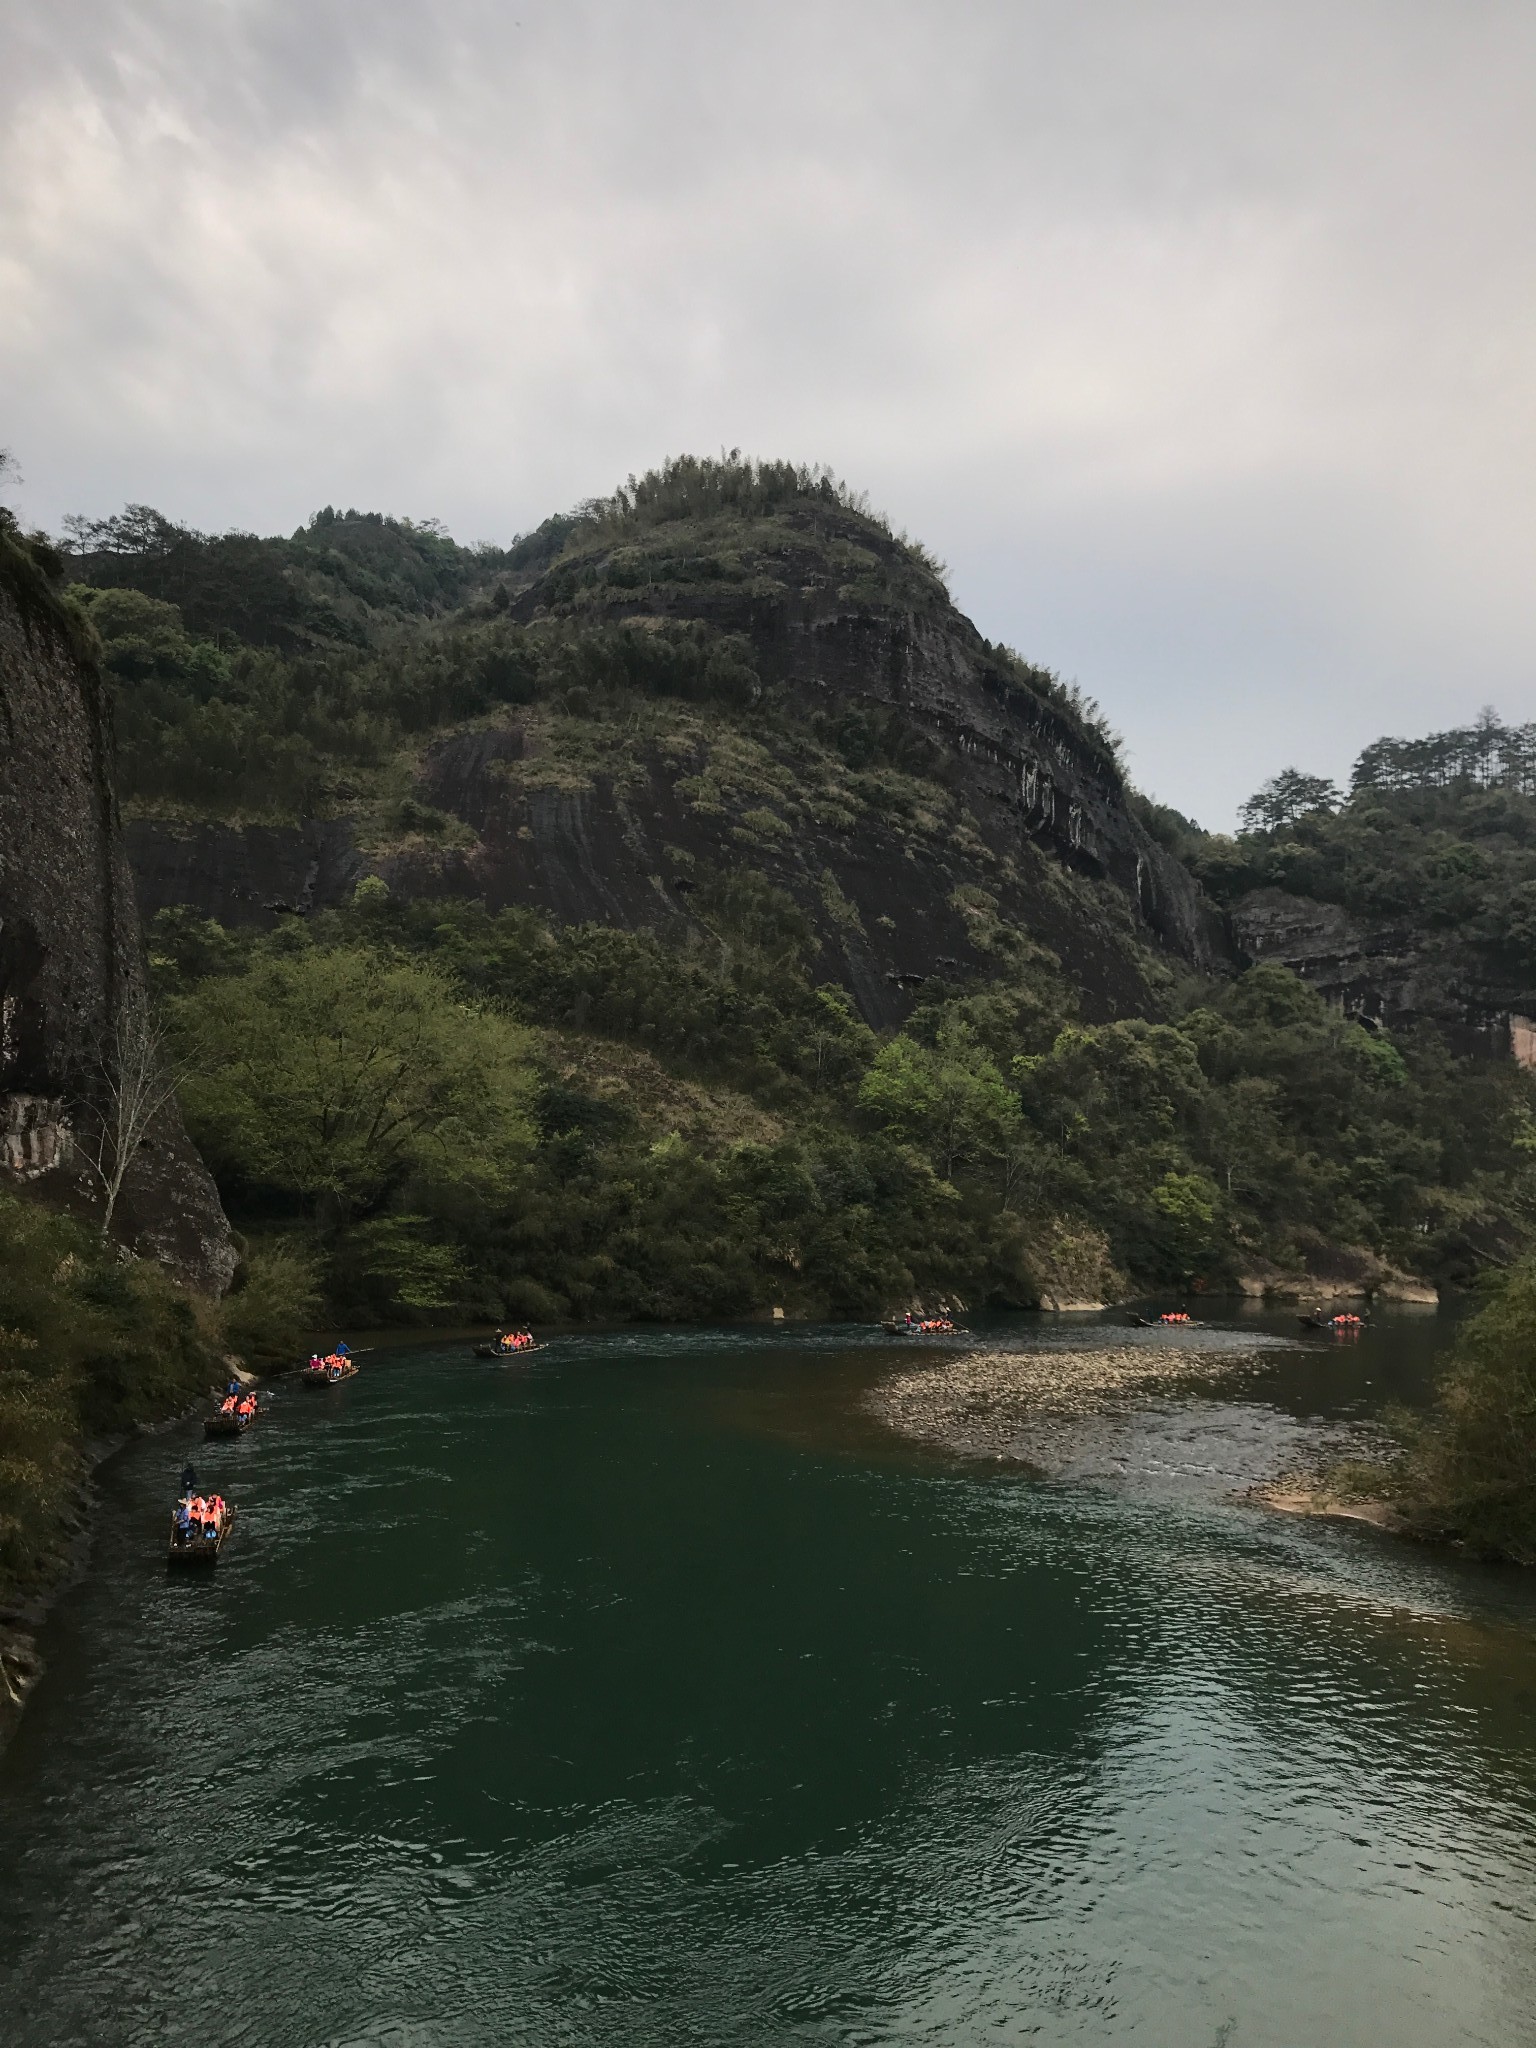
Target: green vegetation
{"type": "Point", "coordinates": [366, 1095]}
{"type": "Point", "coordinates": [280, 679]}
{"type": "Point", "coordinates": [661, 1135]}
{"type": "Point", "coordinates": [1467, 1470]}
{"type": "Point", "coordinates": [699, 1130]}
{"type": "Point", "coordinates": [31, 568]}
{"type": "Point", "coordinates": [89, 1345]}
{"type": "Point", "coordinates": [1472, 1469]}
{"type": "Point", "coordinates": [1438, 832]}
{"type": "Point", "coordinates": [429, 1109]}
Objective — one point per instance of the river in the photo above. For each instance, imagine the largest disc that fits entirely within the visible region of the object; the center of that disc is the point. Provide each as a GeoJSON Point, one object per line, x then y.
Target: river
{"type": "Point", "coordinates": [652, 1692]}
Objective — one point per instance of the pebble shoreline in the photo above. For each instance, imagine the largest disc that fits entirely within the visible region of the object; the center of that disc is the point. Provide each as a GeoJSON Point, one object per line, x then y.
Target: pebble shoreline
{"type": "Point", "coordinates": [1006, 1404]}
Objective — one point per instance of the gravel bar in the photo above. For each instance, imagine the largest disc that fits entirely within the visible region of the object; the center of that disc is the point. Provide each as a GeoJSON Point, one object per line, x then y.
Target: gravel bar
{"type": "Point", "coordinates": [1012, 1404]}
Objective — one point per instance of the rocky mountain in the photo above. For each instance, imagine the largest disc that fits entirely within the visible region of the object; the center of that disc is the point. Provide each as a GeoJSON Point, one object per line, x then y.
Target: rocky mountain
{"type": "Point", "coordinates": [811, 706]}
{"type": "Point", "coordinates": [1409, 901]}
{"type": "Point", "coordinates": [1394, 973]}
{"type": "Point", "coordinates": [71, 956]}
{"type": "Point", "coordinates": [633, 793]}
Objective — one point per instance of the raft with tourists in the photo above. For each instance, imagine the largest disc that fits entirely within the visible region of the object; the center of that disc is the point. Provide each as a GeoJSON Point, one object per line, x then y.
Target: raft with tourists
{"type": "Point", "coordinates": [234, 1414]}
{"type": "Point", "coordinates": [509, 1344]}
{"type": "Point", "coordinates": [1344, 1325]}
{"type": "Point", "coordinates": [200, 1526]}
{"type": "Point", "coordinates": [330, 1370]}
{"type": "Point", "coordinates": [1171, 1319]}
{"type": "Point", "coordinates": [919, 1326]}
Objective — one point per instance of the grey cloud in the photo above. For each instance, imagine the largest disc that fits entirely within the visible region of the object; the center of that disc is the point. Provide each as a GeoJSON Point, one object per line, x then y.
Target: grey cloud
{"type": "Point", "coordinates": [1197, 338]}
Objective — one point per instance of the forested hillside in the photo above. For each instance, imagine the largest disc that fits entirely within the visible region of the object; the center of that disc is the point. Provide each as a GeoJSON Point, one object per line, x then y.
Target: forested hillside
{"type": "Point", "coordinates": [1412, 899]}
{"type": "Point", "coordinates": [685, 911]}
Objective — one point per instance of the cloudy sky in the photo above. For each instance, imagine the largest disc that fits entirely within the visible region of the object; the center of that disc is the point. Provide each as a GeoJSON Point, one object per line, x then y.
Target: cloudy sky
{"type": "Point", "coordinates": [1199, 339]}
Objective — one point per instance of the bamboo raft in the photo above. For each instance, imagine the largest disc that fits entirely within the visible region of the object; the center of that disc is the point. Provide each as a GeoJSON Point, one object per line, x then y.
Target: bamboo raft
{"type": "Point", "coordinates": [523, 1351]}
{"type": "Point", "coordinates": [330, 1372]}
{"type": "Point", "coordinates": [936, 1326]}
{"type": "Point", "coordinates": [234, 1424]}
{"type": "Point", "coordinates": [193, 1546]}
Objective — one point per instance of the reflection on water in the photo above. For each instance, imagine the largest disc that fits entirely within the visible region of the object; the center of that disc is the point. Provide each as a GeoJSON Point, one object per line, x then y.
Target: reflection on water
{"type": "Point", "coordinates": [647, 1692]}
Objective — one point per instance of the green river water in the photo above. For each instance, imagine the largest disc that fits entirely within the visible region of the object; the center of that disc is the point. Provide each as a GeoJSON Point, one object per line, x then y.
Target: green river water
{"type": "Point", "coordinates": [649, 1692]}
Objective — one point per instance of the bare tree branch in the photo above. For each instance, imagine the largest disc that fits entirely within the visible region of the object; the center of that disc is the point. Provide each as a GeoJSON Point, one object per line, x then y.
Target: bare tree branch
{"type": "Point", "coordinates": [134, 1081]}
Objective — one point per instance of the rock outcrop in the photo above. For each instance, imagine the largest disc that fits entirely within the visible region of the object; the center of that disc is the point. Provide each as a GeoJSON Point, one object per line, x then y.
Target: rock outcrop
{"type": "Point", "coordinates": [836, 613]}
{"type": "Point", "coordinates": [71, 958]}
{"type": "Point", "coordinates": [246, 874]}
{"type": "Point", "coordinates": [832, 621]}
{"type": "Point", "coordinates": [1395, 975]}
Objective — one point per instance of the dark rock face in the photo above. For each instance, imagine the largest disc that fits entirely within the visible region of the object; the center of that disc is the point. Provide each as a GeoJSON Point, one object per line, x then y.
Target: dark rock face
{"type": "Point", "coordinates": [71, 959]}
{"type": "Point", "coordinates": [883, 906]}
{"type": "Point", "coordinates": [1390, 974]}
{"type": "Point", "coordinates": [243, 875]}
{"type": "Point", "coordinates": [1020, 762]}
{"type": "Point", "coordinates": [1064, 857]}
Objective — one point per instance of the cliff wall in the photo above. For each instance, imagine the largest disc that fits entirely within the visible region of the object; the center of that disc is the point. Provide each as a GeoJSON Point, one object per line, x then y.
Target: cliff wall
{"type": "Point", "coordinates": [1011, 810]}
{"type": "Point", "coordinates": [71, 960]}
{"type": "Point", "coordinates": [1395, 974]}
{"type": "Point", "coordinates": [834, 614]}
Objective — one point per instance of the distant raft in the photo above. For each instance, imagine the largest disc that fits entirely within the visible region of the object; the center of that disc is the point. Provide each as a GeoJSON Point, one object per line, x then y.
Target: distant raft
{"type": "Point", "coordinates": [919, 1326]}
{"type": "Point", "coordinates": [509, 1344]}
{"type": "Point", "coordinates": [200, 1526]}
{"type": "Point", "coordinates": [328, 1371]}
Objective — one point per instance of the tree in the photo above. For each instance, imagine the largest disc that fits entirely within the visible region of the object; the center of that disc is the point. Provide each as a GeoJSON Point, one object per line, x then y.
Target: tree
{"type": "Point", "coordinates": [133, 1082]}
{"type": "Point", "coordinates": [1188, 1206]}
{"type": "Point", "coordinates": [948, 1096]}
{"type": "Point", "coordinates": [341, 1076]}
{"type": "Point", "coordinates": [838, 1041]}
{"type": "Point", "coordinates": [1475, 1462]}
{"type": "Point", "coordinates": [1285, 798]}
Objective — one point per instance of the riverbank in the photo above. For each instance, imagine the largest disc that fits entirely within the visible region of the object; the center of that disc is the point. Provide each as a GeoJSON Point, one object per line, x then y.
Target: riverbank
{"type": "Point", "coordinates": [24, 1610]}
{"type": "Point", "coordinates": [1293, 1496]}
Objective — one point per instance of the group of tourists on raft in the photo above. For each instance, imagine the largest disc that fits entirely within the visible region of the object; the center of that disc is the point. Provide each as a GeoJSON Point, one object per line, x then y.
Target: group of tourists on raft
{"type": "Point", "coordinates": [334, 1365]}
{"type": "Point", "coordinates": [237, 1403]}
{"type": "Point", "coordinates": [506, 1342]}
{"type": "Point", "coordinates": [199, 1517]}
{"type": "Point", "coordinates": [927, 1326]}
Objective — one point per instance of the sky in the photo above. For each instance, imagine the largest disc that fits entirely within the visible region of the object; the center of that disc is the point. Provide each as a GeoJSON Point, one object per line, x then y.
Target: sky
{"type": "Point", "coordinates": [1198, 339]}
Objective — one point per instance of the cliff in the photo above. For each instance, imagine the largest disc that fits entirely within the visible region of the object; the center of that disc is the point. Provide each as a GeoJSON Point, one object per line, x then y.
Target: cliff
{"type": "Point", "coordinates": [848, 625]}
{"type": "Point", "coordinates": [814, 708]}
{"type": "Point", "coordinates": [1397, 973]}
{"type": "Point", "coordinates": [71, 959]}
